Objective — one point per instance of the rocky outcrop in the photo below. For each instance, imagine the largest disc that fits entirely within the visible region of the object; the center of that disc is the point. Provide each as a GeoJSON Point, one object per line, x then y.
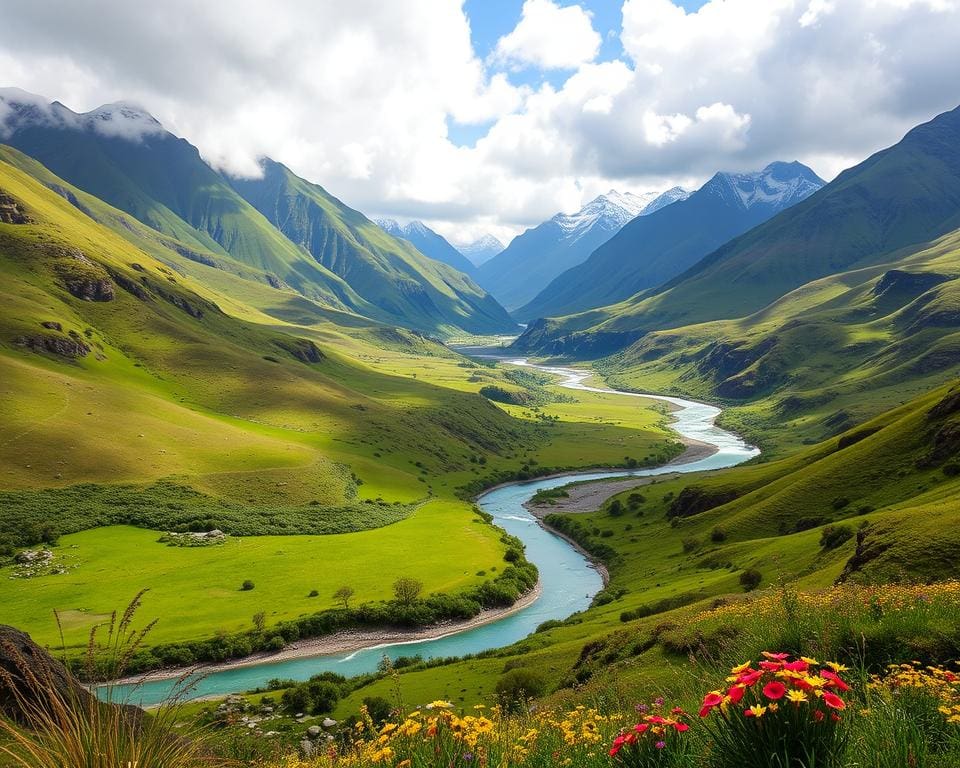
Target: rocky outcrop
{"type": "Point", "coordinates": [62, 346]}
{"type": "Point", "coordinates": [693, 500]}
{"type": "Point", "coordinates": [302, 349]}
{"type": "Point", "coordinates": [12, 211]}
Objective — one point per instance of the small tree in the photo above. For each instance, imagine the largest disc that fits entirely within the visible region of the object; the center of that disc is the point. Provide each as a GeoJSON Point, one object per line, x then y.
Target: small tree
{"type": "Point", "coordinates": [750, 579]}
{"type": "Point", "coordinates": [407, 590]}
{"type": "Point", "coordinates": [616, 508]}
{"type": "Point", "coordinates": [259, 620]}
{"type": "Point", "coordinates": [343, 596]}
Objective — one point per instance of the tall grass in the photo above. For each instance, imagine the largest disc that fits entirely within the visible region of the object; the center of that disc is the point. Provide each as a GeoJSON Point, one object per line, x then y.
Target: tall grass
{"type": "Point", "coordinates": [58, 723]}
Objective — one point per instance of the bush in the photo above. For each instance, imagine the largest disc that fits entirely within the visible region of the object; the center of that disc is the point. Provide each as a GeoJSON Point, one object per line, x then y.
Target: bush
{"type": "Point", "coordinates": [616, 508]}
{"type": "Point", "coordinates": [691, 544]}
{"type": "Point", "coordinates": [247, 586]}
{"type": "Point", "coordinates": [378, 708]}
{"type": "Point", "coordinates": [519, 685]}
{"type": "Point", "coordinates": [835, 535]}
{"type": "Point", "coordinates": [718, 535]}
{"type": "Point", "coordinates": [750, 579]}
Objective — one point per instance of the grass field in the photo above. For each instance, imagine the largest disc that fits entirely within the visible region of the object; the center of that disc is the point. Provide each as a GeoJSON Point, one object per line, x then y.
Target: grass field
{"type": "Point", "coordinates": [195, 591]}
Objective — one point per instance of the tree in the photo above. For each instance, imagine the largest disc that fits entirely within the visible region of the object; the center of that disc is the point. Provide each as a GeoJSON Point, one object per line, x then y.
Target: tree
{"type": "Point", "coordinates": [259, 620]}
{"type": "Point", "coordinates": [407, 590]}
{"type": "Point", "coordinates": [616, 508]}
{"type": "Point", "coordinates": [750, 579]}
{"type": "Point", "coordinates": [343, 595]}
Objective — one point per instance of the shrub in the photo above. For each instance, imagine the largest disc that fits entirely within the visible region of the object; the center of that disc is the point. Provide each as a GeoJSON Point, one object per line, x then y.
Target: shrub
{"type": "Point", "coordinates": [718, 535]}
{"type": "Point", "coordinates": [750, 579]}
{"type": "Point", "coordinates": [616, 508]}
{"type": "Point", "coordinates": [519, 685]}
{"type": "Point", "coordinates": [835, 535]}
{"type": "Point", "coordinates": [247, 586]}
{"type": "Point", "coordinates": [378, 708]}
{"type": "Point", "coordinates": [691, 544]}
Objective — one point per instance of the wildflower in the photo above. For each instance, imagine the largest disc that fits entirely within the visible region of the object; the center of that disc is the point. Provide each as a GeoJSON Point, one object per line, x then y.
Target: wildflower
{"type": "Point", "coordinates": [711, 700]}
{"type": "Point", "coordinates": [755, 711]}
{"type": "Point", "coordinates": [774, 690]}
{"type": "Point", "coordinates": [735, 693]}
{"type": "Point", "coordinates": [833, 701]}
{"type": "Point", "coordinates": [660, 744]}
{"type": "Point", "coordinates": [797, 697]}
{"type": "Point", "coordinates": [439, 704]}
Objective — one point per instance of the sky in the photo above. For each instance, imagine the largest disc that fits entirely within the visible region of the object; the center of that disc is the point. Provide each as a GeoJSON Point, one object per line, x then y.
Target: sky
{"type": "Point", "coordinates": [482, 116]}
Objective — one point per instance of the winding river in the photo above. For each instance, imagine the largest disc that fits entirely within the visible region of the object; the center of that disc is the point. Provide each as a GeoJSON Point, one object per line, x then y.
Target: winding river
{"type": "Point", "coordinates": [568, 580]}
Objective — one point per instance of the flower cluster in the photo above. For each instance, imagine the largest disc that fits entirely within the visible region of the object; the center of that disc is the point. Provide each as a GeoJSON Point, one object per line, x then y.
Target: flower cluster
{"type": "Point", "coordinates": [779, 681]}
{"type": "Point", "coordinates": [654, 741]}
{"type": "Point", "coordinates": [912, 680]}
{"type": "Point", "coordinates": [778, 709]}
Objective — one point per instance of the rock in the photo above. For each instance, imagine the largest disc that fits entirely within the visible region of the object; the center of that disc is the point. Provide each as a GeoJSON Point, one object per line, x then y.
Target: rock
{"type": "Point", "coordinates": [303, 350]}
{"type": "Point", "coordinates": [52, 325]}
{"type": "Point", "coordinates": [55, 345]}
{"type": "Point", "coordinates": [329, 722]}
{"type": "Point", "coordinates": [12, 211]}
{"type": "Point", "coordinates": [29, 674]}
{"type": "Point", "coordinates": [313, 731]}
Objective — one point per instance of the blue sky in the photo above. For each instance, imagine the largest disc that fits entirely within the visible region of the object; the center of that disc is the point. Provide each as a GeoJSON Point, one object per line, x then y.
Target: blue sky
{"type": "Point", "coordinates": [492, 19]}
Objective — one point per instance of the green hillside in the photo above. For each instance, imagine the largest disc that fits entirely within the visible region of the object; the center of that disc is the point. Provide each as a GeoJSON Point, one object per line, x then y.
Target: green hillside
{"type": "Point", "coordinates": [825, 357]}
{"type": "Point", "coordinates": [389, 272]}
{"type": "Point", "coordinates": [163, 182]}
{"type": "Point", "coordinates": [874, 505]}
{"type": "Point", "coordinates": [906, 195]}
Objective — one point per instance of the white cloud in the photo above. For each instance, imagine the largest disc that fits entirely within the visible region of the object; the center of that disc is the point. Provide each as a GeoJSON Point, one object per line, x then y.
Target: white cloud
{"type": "Point", "coordinates": [358, 96]}
{"type": "Point", "coordinates": [549, 37]}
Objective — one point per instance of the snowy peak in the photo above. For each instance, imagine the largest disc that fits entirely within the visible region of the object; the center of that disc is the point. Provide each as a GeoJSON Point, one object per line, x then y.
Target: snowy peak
{"type": "Point", "coordinates": [20, 109]}
{"type": "Point", "coordinates": [672, 195]}
{"type": "Point", "coordinates": [410, 230]}
{"type": "Point", "coordinates": [778, 186]}
{"type": "Point", "coordinates": [481, 250]}
{"type": "Point", "coordinates": [612, 211]}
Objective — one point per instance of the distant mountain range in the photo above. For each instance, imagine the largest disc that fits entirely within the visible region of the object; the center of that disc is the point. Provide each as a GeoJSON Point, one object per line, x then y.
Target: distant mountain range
{"type": "Point", "coordinates": [481, 250]}
{"type": "Point", "coordinates": [656, 247]}
{"type": "Point", "coordinates": [537, 256]}
{"type": "Point", "coordinates": [899, 198]}
{"type": "Point", "coordinates": [428, 242]}
{"type": "Point", "coordinates": [280, 228]}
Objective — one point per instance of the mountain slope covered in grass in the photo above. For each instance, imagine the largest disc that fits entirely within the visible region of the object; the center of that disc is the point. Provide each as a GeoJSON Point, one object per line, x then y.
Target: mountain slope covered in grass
{"type": "Point", "coordinates": [651, 249]}
{"type": "Point", "coordinates": [825, 357]}
{"type": "Point", "coordinates": [121, 155]}
{"type": "Point", "coordinates": [390, 273]}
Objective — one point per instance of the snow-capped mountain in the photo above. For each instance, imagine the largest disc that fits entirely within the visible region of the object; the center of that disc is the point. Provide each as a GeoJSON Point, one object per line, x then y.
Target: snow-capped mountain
{"type": "Point", "coordinates": [540, 254]}
{"type": "Point", "coordinates": [652, 249]}
{"type": "Point", "coordinates": [19, 109]}
{"type": "Point", "coordinates": [482, 250]}
{"type": "Point", "coordinates": [778, 186]}
{"type": "Point", "coordinates": [428, 242]}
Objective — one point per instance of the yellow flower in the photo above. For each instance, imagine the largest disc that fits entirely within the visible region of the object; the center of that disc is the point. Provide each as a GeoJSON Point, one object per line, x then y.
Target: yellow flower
{"type": "Point", "coordinates": [797, 697]}
{"type": "Point", "coordinates": [757, 711]}
{"type": "Point", "coordinates": [439, 704]}
{"type": "Point", "coordinates": [808, 660]}
{"type": "Point", "coordinates": [741, 668]}
{"type": "Point", "coordinates": [838, 668]}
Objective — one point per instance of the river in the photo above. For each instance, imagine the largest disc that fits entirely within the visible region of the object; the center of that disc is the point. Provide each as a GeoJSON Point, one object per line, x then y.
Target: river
{"type": "Point", "coordinates": [567, 578]}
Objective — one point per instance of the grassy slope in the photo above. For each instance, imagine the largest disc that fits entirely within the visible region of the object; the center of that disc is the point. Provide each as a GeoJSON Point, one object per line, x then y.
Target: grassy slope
{"type": "Point", "coordinates": [905, 195]}
{"type": "Point", "coordinates": [908, 505]}
{"type": "Point", "coordinates": [165, 394]}
{"type": "Point", "coordinates": [389, 272]}
{"type": "Point", "coordinates": [823, 358]}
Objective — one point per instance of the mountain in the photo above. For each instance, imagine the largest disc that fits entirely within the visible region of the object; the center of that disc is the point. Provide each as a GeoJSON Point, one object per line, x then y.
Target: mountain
{"type": "Point", "coordinates": [428, 242]}
{"type": "Point", "coordinates": [537, 256]}
{"type": "Point", "coordinates": [903, 196]}
{"type": "Point", "coordinates": [482, 250]}
{"type": "Point", "coordinates": [123, 156]}
{"type": "Point", "coordinates": [654, 248]}
{"type": "Point", "coordinates": [389, 272]}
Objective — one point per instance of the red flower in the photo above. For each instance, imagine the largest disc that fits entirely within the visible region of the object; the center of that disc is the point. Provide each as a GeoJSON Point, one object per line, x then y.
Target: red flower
{"type": "Point", "coordinates": [771, 666]}
{"type": "Point", "coordinates": [711, 700]}
{"type": "Point", "coordinates": [796, 666]}
{"type": "Point", "coordinates": [736, 693]}
{"type": "Point", "coordinates": [774, 690]}
{"type": "Point", "coordinates": [749, 678]}
{"type": "Point", "coordinates": [617, 745]}
{"type": "Point", "coordinates": [818, 715]}
{"type": "Point", "coordinates": [681, 727]}
{"type": "Point", "coordinates": [641, 727]}
{"type": "Point", "coordinates": [834, 678]}
{"type": "Point", "coordinates": [776, 656]}
{"type": "Point", "coordinates": [833, 701]}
